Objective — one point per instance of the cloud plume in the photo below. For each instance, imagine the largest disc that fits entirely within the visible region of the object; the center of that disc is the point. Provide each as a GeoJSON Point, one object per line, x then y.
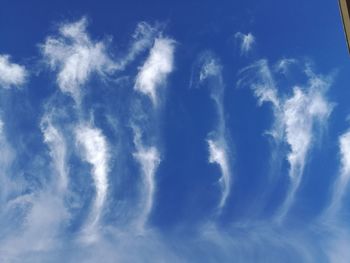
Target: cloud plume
{"type": "Point", "coordinates": [119, 176]}
{"type": "Point", "coordinates": [301, 113]}
{"type": "Point", "coordinates": [142, 39]}
{"type": "Point", "coordinates": [211, 73]}
{"type": "Point", "coordinates": [11, 74]}
{"type": "Point", "coordinates": [95, 151]}
{"type": "Point", "coordinates": [7, 157]}
{"type": "Point", "coordinates": [58, 151]}
{"type": "Point", "coordinates": [296, 117]}
{"type": "Point", "coordinates": [148, 158]}
{"type": "Point", "coordinates": [76, 56]}
{"type": "Point", "coordinates": [342, 182]}
{"type": "Point", "coordinates": [218, 155]}
{"type": "Point", "coordinates": [158, 65]}
{"type": "Point", "coordinates": [246, 41]}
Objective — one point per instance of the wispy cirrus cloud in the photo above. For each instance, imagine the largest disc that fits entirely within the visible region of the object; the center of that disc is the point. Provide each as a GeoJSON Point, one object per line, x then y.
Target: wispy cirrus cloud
{"type": "Point", "coordinates": [75, 56]}
{"type": "Point", "coordinates": [210, 68]}
{"type": "Point", "coordinates": [7, 157]}
{"type": "Point", "coordinates": [11, 74]}
{"type": "Point", "coordinates": [218, 155]}
{"type": "Point", "coordinates": [302, 112]}
{"type": "Point", "coordinates": [44, 215]}
{"type": "Point", "coordinates": [260, 78]}
{"type": "Point", "coordinates": [158, 65]}
{"type": "Point", "coordinates": [284, 64]}
{"type": "Point", "coordinates": [341, 184]}
{"type": "Point", "coordinates": [58, 152]}
{"type": "Point", "coordinates": [95, 151]}
{"type": "Point", "coordinates": [211, 73]}
{"type": "Point", "coordinates": [39, 213]}
{"type": "Point", "coordinates": [142, 39]}
{"type": "Point", "coordinates": [246, 42]}
{"type": "Point", "coordinates": [296, 117]}
{"type": "Point", "coordinates": [152, 76]}
{"type": "Point", "coordinates": [148, 158]}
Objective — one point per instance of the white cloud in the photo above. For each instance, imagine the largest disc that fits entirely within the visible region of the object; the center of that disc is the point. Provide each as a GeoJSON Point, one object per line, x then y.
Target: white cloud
{"type": "Point", "coordinates": [44, 215]}
{"type": "Point", "coordinates": [296, 117]}
{"type": "Point", "coordinates": [156, 68]}
{"type": "Point", "coordinates": [342, 182]}
{"type": "Point", "coordinates": [148, 158]}
{"type": "Point", "coordinates": [95, 151]}
{"type": "Point", "coordinates": [218, 155]}
{"type": "Point", "coordinates": [284, 64]}
{"type": "Point", "coordinates": [40, 214]}
{"type": "Point", "coordinates": [8, 155]}
{"type": "Point", "coordinates": [55, 140]}
{"type": "Point", "coordinates": [344, 144]}
{"type": "Point", "coordinates": [11, 74]}
{"type": "Point", "coordinates": [211, 70]}
{"type": "Point", "coordinates": [151, 76]}
{"type": "Point", "coordinates": [143, 39]}
{"type": "Point", "coordinates": [45, 233]}
{"type": "Point", "coordinates": [301, 113]}
{"type": "Point", "coordinates": [76, 57]}
{"type": "Point", "coordinates": [247, 42]}
{"type": "Point", "coordinates": [260, 78]}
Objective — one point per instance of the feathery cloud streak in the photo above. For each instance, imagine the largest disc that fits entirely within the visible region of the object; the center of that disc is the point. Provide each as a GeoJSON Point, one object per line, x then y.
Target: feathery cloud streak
{"type": "Point", "coordinates": [149, 160]}
{"type": "Point", "coordinates": [301, 113]}
{"type": "Point", "coordinates": [11, 74]}
{"type": "Point", "coordinates": [156, 68]}
{"type": "Point", "coordinates": [75, 56]}
{"type": "Point", "coordinates": [218, 155]}
{"type": "Point", "coordinates": [55, 140]}
{"type": "Point", "coordinates": [246, 41]}
{"type": "Point", "coordinates": [7, 157]}
{"type": "Point", "coordinates": [143, 38]}
{"type": "Point", "coordinates": [296, 118]}
{"type": "Point", "coordinates": [95, 151]}
{"type": "Point", "coordinates": [211, 71]}
{"type": "Point", "coordinates": [151, 77]}
{"type": "Point", "coordinates": [342, 182]}
{"type": "Point", "coordinates": [36, 211]}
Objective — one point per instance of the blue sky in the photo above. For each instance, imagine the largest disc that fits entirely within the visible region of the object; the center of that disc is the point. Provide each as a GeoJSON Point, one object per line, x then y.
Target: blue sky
{"type": "Point", "coordinates": [173, 131]}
